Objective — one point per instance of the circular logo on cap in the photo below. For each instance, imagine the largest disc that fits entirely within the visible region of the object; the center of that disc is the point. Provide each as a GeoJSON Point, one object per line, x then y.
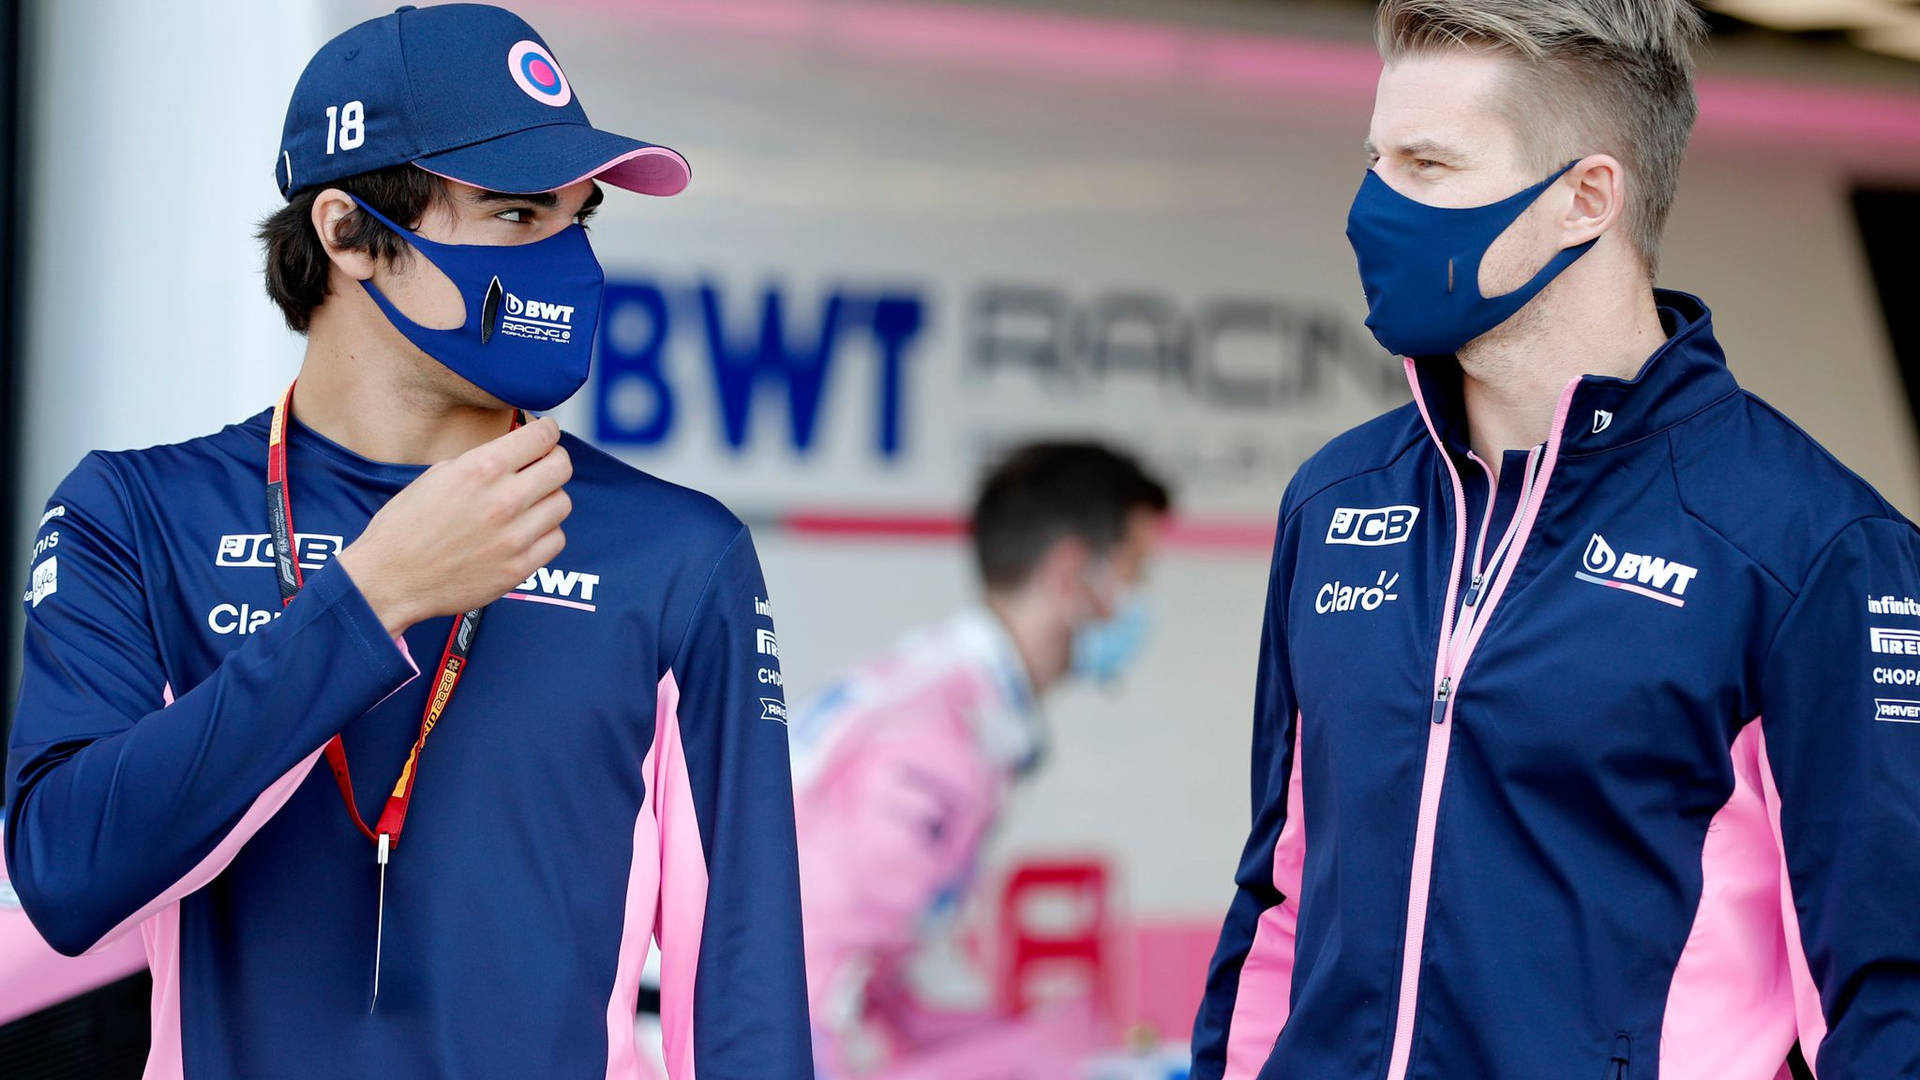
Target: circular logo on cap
{"type": "Point", "coordinates": [538, 73]}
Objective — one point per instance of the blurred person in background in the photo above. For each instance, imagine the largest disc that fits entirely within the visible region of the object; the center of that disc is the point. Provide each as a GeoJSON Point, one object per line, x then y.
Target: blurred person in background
{"type": "Point", "coordinates": [1583, 740]}
{"type": "Point", "coordinates": [901, 767]}
{"type": "Point", "coordinates": [604, 763]}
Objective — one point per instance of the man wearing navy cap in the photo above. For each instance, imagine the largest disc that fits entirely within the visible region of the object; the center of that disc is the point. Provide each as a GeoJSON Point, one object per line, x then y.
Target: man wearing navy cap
{"type": "Point", "coordinates": [543, 750]}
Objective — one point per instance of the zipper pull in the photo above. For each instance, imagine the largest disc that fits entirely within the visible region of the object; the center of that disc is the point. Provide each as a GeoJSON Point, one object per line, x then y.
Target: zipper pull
{"type": "Point", "coordinates": [1622, 1055]}
{"type": "Point", "coordinates": [1440, 700]}
{"type": "Point", "coordinates": [1473, 590]}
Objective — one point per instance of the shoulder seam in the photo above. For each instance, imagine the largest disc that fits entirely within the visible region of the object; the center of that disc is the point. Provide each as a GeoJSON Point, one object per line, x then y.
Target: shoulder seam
{"type": "Point", "coordinates": [1302, 501]}
{"type": "Point", "coordinates": [1814, 564]}
{"type": "Point", "coordinates": [1887, 509]}
{"type": "Point", "coordinates": [1680, 492]}
{"type": "Point", "coordinates": [700, 602]}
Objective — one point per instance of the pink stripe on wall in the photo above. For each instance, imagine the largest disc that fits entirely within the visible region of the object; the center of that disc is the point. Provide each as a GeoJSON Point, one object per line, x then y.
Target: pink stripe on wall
{"type": "Point", "coordinates": [1808, 1012]}
{"type": "Point", "coordinates": [1730, 1007]}
{"type": "Point", "coordinates": [1267, 65]}
{"type": "Point", "coordinates": [1266, 975]}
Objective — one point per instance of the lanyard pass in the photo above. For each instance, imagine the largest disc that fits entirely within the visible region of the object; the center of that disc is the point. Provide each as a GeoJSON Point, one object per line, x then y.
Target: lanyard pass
{"type": "Point", "coordinates": [385, 831]}
{"type": "Point", "coordinates": [381, 848]}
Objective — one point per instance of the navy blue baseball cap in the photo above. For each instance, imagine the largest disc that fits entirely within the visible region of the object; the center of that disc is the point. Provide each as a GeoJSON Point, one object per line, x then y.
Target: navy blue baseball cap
{"type": "Point", "coordinates": [466, 91]}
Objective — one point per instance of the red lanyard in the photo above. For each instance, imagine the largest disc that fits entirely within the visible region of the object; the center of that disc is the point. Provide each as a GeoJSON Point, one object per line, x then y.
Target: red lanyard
{"type": "Point", "coordinates": [453, 661]}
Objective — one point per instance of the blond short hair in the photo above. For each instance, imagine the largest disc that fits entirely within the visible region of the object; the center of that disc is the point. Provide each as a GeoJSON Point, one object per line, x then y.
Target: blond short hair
{"type": "Point", "coordinates": [1592, 76]}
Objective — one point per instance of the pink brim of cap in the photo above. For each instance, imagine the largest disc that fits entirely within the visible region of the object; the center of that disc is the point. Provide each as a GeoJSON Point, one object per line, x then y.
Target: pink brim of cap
{"type": "Point", "coordinates": [649, 170]}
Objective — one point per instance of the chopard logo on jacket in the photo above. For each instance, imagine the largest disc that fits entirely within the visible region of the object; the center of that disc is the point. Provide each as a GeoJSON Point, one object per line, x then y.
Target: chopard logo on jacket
{"type": "Point", "coordinates": [1643, 575]}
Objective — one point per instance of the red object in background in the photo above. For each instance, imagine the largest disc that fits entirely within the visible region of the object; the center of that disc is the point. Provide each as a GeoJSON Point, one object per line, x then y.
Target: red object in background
{"type": "Point", "coordinates": [1028, 948]}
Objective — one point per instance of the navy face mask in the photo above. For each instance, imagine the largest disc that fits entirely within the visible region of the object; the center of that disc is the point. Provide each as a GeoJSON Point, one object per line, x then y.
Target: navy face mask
{"type": "Point", "coordinates": [531, 313]}
{"type": "Point", "coordinates": [1420, 266]}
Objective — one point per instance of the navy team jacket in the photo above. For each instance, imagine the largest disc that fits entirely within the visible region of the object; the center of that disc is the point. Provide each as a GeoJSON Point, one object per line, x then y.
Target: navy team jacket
{"type": "Point", "coordinates": [1629, 788]}
{"type": "Point", "coordinates": [613, 766]}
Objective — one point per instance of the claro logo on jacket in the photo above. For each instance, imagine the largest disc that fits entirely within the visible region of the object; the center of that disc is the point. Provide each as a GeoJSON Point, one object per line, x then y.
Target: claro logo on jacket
{"type": "Point", "coordinates": [1643, 575]}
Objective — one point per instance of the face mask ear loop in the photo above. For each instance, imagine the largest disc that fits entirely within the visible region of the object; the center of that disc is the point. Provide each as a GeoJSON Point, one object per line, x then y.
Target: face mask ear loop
{"type": "Point", "coordinates": [1560, 261]}
{"type": "Point", "coordinates": [405, 234]}
{"type": "Point", "coordinates": [418, 243]}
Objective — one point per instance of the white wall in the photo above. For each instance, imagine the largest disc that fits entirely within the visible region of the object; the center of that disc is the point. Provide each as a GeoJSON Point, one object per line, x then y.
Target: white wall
{"type": "Point", "coordinates": [861, 155]}
{"type": "Point", "coordinates": [153, 131]}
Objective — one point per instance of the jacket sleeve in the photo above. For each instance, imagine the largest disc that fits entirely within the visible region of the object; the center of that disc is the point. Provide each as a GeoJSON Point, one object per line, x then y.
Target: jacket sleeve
{"type": "Point", "coordinates": [1248, 982]}
{"type": "Point", "coordinates": [121, 799]}
{"type": "Point", "coordinates": [1840, 731]}
{"type": "Point", "coordinates": [733, 977]}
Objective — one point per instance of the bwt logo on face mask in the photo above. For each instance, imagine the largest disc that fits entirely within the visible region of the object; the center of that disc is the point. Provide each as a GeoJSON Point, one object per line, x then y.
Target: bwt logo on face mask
{"type": "Point", "coordinates": [1668, 581]}
{"type": "Point", "coordinates": [537, 319]}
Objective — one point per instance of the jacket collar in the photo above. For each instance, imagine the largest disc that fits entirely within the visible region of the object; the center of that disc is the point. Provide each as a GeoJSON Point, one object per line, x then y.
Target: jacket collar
{"type": "Point", "coordinates": [1683, 376]}
{"type": "Point", "coordinates": [1008, 725]}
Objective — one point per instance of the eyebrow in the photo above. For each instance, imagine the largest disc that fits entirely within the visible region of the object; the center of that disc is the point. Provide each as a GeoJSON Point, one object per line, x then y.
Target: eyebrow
{"type": "Point", "coordinates": [546, 200]}
{"type": "Point", "coordinates": [1417, 148]}
{"type": "Point", "coordinates": [537, 198]}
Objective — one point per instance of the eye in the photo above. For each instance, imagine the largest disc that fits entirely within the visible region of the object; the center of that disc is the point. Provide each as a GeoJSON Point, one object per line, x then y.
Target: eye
{"type": "Point", "coordinates": [1424, 164]}
{"type": "Point", "coordinates": [519, 215]}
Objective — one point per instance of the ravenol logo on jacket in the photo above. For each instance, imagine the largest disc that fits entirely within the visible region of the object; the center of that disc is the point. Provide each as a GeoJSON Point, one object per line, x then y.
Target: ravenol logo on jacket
{"type": "Point", "coordinates": [1643, 575]}
{"type": "Point", "coordinates": [1375, 527]}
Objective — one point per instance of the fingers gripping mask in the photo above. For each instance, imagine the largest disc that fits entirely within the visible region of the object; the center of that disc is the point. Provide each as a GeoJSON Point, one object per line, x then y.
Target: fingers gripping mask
{"type": "Point", "coordinates": [531, 313]}
{"type": "Point", "coordinates": [1420, 266]}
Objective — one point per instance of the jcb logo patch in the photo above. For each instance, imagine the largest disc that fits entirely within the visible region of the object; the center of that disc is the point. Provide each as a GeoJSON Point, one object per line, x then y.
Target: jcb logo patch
{"type": "Point", "coordinates": [1375, 527]}
{"type": "Point", "coordinates": [256, 549]}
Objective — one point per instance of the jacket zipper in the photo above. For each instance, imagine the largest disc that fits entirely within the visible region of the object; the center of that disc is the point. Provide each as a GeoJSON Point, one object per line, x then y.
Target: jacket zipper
{"type": "Point", "coordinates": [1622, 1057]}
{"type": "Point", "coordinates": [1456, 647]}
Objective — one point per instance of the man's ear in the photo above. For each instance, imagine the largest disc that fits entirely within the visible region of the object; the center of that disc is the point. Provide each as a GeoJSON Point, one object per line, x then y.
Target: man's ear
{"type": "Point", "coordinates": [1599, 198]}
{"type": "Point", "coordinates": [332, 210]}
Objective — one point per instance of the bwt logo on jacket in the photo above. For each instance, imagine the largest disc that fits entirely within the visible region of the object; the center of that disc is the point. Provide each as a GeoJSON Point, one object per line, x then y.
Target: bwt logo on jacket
{"type": "Point", "coordinates": [560, 583]}
{"type": "Point", "coordinates": [1668, 580]}
{"type": "Point", "coordinates": [1374, 527]}
{"type": "Point", "coordinates": [537, 319]}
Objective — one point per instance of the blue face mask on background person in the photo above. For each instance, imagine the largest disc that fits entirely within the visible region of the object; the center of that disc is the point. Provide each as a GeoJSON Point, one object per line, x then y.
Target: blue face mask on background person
{"type": "Point", "coordinates": [531, 313]}
{"type": "Point", "coordinates": [1104, 648]}
{"type": "Point", "coordinates": [1420, 266]}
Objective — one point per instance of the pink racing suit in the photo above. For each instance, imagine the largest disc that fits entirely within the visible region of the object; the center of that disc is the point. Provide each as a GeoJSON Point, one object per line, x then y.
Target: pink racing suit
{"type": "Point", "coordinates": [899, 770]}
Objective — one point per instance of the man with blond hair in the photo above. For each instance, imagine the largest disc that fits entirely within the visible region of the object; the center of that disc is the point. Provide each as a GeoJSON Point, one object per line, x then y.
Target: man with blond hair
{"type": "Point", "coordinates": [1587, 733]}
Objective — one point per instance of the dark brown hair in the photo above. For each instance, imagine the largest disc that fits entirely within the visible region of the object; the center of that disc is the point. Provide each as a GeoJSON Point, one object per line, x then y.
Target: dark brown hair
{"type": "Point", "coordinates": [297, 262]}
{"type": "Point", "coordinates": [1044, 492]}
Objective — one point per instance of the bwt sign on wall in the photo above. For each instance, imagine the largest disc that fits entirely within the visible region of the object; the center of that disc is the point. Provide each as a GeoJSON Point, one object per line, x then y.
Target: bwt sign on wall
{"type": "Point", "coordinates": [915, 387]}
